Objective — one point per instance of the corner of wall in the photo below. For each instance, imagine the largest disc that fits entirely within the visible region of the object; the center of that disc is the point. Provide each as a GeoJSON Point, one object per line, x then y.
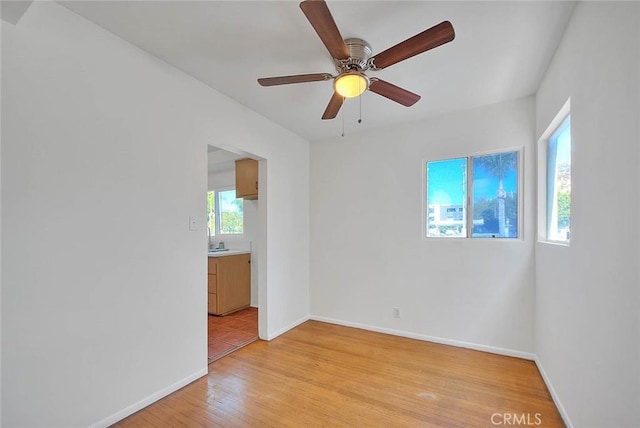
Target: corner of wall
{"type": "Point", "coordinates": [12, 10]}
{"type": "Point", "coordinates": [554, 394]}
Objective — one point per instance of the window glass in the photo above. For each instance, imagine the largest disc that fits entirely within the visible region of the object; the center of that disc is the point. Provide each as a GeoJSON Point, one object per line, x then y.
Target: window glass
{"type": "Point", "coordinates": [559, 183]}
{"type": "Point", "coordinates": [211, 212]}
{"type": "Point", "coordinates": [446, 197]}
{"type": "Point", "coordinates": [495, 195]}
{"type": "Point", "coordinates": [224, 212]}
{"type": "Point", "coordinates": [493, 186]}
{"type": "Point", "coordinates": [230, 212]}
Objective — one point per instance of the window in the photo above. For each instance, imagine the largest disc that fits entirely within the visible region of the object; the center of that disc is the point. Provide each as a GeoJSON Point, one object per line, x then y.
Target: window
{"type": "Point", "coordinates": [554, 170]}
{"type": "Point", "coordinates": [493, 187]}
{"type": "Point", "coordinates": [224, 212]}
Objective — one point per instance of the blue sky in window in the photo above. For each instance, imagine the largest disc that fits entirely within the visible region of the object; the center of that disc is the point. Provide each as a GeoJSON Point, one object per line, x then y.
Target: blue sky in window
{"type": "Point", "coordinates": [485, 186]}
{"type": "Point", "coordinates": [563, 137]}
{"type": "Point", "coordinates": [227, 201]}
{"type": "Point", "coordinates": [446, 181]}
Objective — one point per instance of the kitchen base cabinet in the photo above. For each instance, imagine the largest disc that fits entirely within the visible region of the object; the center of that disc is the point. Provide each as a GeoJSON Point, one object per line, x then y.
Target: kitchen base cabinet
{"type": "Point", "coordinates": [229, 283]}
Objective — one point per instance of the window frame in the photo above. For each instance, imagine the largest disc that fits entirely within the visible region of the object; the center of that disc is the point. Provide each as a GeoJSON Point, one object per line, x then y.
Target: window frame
{"type": "Point", "coordinates": [468, 206]}
{"type": "Point", "coordinates": [544, 225]}
{"type": "Point", "coordinates": [217, 218]}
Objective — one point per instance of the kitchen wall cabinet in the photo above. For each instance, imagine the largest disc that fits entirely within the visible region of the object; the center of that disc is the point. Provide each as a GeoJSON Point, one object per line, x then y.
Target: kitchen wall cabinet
{"type": "Point", "coordinates": [229, 283]}
{"type": "Point", "coordinates": [247, 178]}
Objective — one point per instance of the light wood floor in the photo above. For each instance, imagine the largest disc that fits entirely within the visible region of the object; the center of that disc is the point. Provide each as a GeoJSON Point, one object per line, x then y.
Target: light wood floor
{"type": "Point", "coordinates": [321, 374]}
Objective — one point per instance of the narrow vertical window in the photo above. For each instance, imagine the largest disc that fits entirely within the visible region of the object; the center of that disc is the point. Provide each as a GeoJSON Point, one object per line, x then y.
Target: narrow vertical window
{"type": "Point", "coordinates": [559, 183]}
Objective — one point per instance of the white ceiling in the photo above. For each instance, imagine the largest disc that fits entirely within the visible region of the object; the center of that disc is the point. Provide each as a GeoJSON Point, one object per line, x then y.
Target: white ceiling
{"type": "Point", "coordinates": [500, 52]}
{"type": "Point", "coordinates": [220, 160]}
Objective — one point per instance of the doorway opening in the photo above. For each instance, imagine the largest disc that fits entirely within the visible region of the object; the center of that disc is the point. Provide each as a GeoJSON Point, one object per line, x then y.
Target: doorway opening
{"type": "Point", "coordinates": [235, 232]}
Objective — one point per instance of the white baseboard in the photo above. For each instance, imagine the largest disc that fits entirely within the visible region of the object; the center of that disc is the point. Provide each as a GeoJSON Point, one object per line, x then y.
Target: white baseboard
{"type": "Point", "coordinates": [554, 395]}
{"type": "Point", "coordinates": [287, 328]}
{"type": "Point", "coordinates": [149, 400]}
{"type": "Point", "coordinates": [424, 337]}
{"type": "Point", "coordinates": [485, 348]}
{"type": "Point", "coordinates": [492, 349]}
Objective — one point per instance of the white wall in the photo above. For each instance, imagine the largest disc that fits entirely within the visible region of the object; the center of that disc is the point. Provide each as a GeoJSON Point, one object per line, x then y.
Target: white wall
{"type": "Point", "coordinates": [587, 333]}
{"type": "Point", "coordinates": [367, 250]}
{"type": "Point", "coordinates": [221, 179]}
{"type": "Point", "coordinates": [1, 238]}
{"type": "Point", "coordinates": [103, 162]}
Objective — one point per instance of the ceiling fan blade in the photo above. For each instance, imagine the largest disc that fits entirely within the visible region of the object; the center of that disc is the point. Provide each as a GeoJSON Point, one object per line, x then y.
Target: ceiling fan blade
{"type": "Point", "coordinates": [428, 39]}
{"type": "Point", "coordinates": [334, 106]}
{"type": "Point", "coordinates": [393, 92]}
{"type": "Point", "coordinates": [298, 78]}
{"type": "Point", "coordinates": [321, 20]}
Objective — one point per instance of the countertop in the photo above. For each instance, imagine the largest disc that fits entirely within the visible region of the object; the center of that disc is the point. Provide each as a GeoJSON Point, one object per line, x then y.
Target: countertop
{"type": "Point", "coordinates": [229, 253]}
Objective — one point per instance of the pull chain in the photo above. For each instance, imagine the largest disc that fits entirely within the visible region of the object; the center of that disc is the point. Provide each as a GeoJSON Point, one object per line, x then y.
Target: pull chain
{"type": "Point", "coordinates": [360, 101]}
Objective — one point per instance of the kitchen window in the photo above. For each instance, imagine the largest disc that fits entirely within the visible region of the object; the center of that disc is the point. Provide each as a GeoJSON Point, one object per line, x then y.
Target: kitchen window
{"type": "Point", "coordinates": [224, 212]}
{"type": "Point", "coordinates": [473, 196]}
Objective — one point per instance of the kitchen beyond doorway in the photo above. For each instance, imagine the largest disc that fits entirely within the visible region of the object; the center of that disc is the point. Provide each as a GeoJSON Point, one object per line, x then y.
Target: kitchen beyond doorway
{"type": "Point", "coordinates": [231, 332]}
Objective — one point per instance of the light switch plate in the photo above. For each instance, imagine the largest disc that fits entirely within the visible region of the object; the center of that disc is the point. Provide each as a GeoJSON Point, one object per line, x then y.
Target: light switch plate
{"type": "Point", "coordinates": [193, 224]}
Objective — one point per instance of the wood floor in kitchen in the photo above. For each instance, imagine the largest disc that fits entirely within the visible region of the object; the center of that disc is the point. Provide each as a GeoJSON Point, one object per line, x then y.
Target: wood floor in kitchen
{"type": "Point", "coordinates": [231, 332]}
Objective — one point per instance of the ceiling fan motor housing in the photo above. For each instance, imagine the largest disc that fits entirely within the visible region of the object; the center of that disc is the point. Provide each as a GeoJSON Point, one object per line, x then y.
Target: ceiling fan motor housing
{"type": "Point", "coordinates": [359, 54]}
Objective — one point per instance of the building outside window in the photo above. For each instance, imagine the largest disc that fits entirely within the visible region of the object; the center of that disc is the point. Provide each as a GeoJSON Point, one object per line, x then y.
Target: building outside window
{"type": "Point", "coordinates": [492, 182]}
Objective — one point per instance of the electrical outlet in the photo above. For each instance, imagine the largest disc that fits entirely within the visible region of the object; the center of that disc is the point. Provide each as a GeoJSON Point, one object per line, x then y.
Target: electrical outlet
{"type": "Point", "coordinates": [396, 312]}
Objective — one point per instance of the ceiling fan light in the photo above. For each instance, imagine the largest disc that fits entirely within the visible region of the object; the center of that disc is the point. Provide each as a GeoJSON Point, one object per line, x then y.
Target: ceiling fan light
{"type": "Point", "coordinates": [351, 85]}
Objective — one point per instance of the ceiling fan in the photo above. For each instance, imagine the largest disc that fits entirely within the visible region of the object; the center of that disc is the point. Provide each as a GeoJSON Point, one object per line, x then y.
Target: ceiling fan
{"type": "Point", "coordinates": [352, 58]}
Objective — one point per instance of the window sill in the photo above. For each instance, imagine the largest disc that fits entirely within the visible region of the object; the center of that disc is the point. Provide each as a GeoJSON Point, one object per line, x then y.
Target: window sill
{"type": "Point", "coordinates": [554, 243]}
